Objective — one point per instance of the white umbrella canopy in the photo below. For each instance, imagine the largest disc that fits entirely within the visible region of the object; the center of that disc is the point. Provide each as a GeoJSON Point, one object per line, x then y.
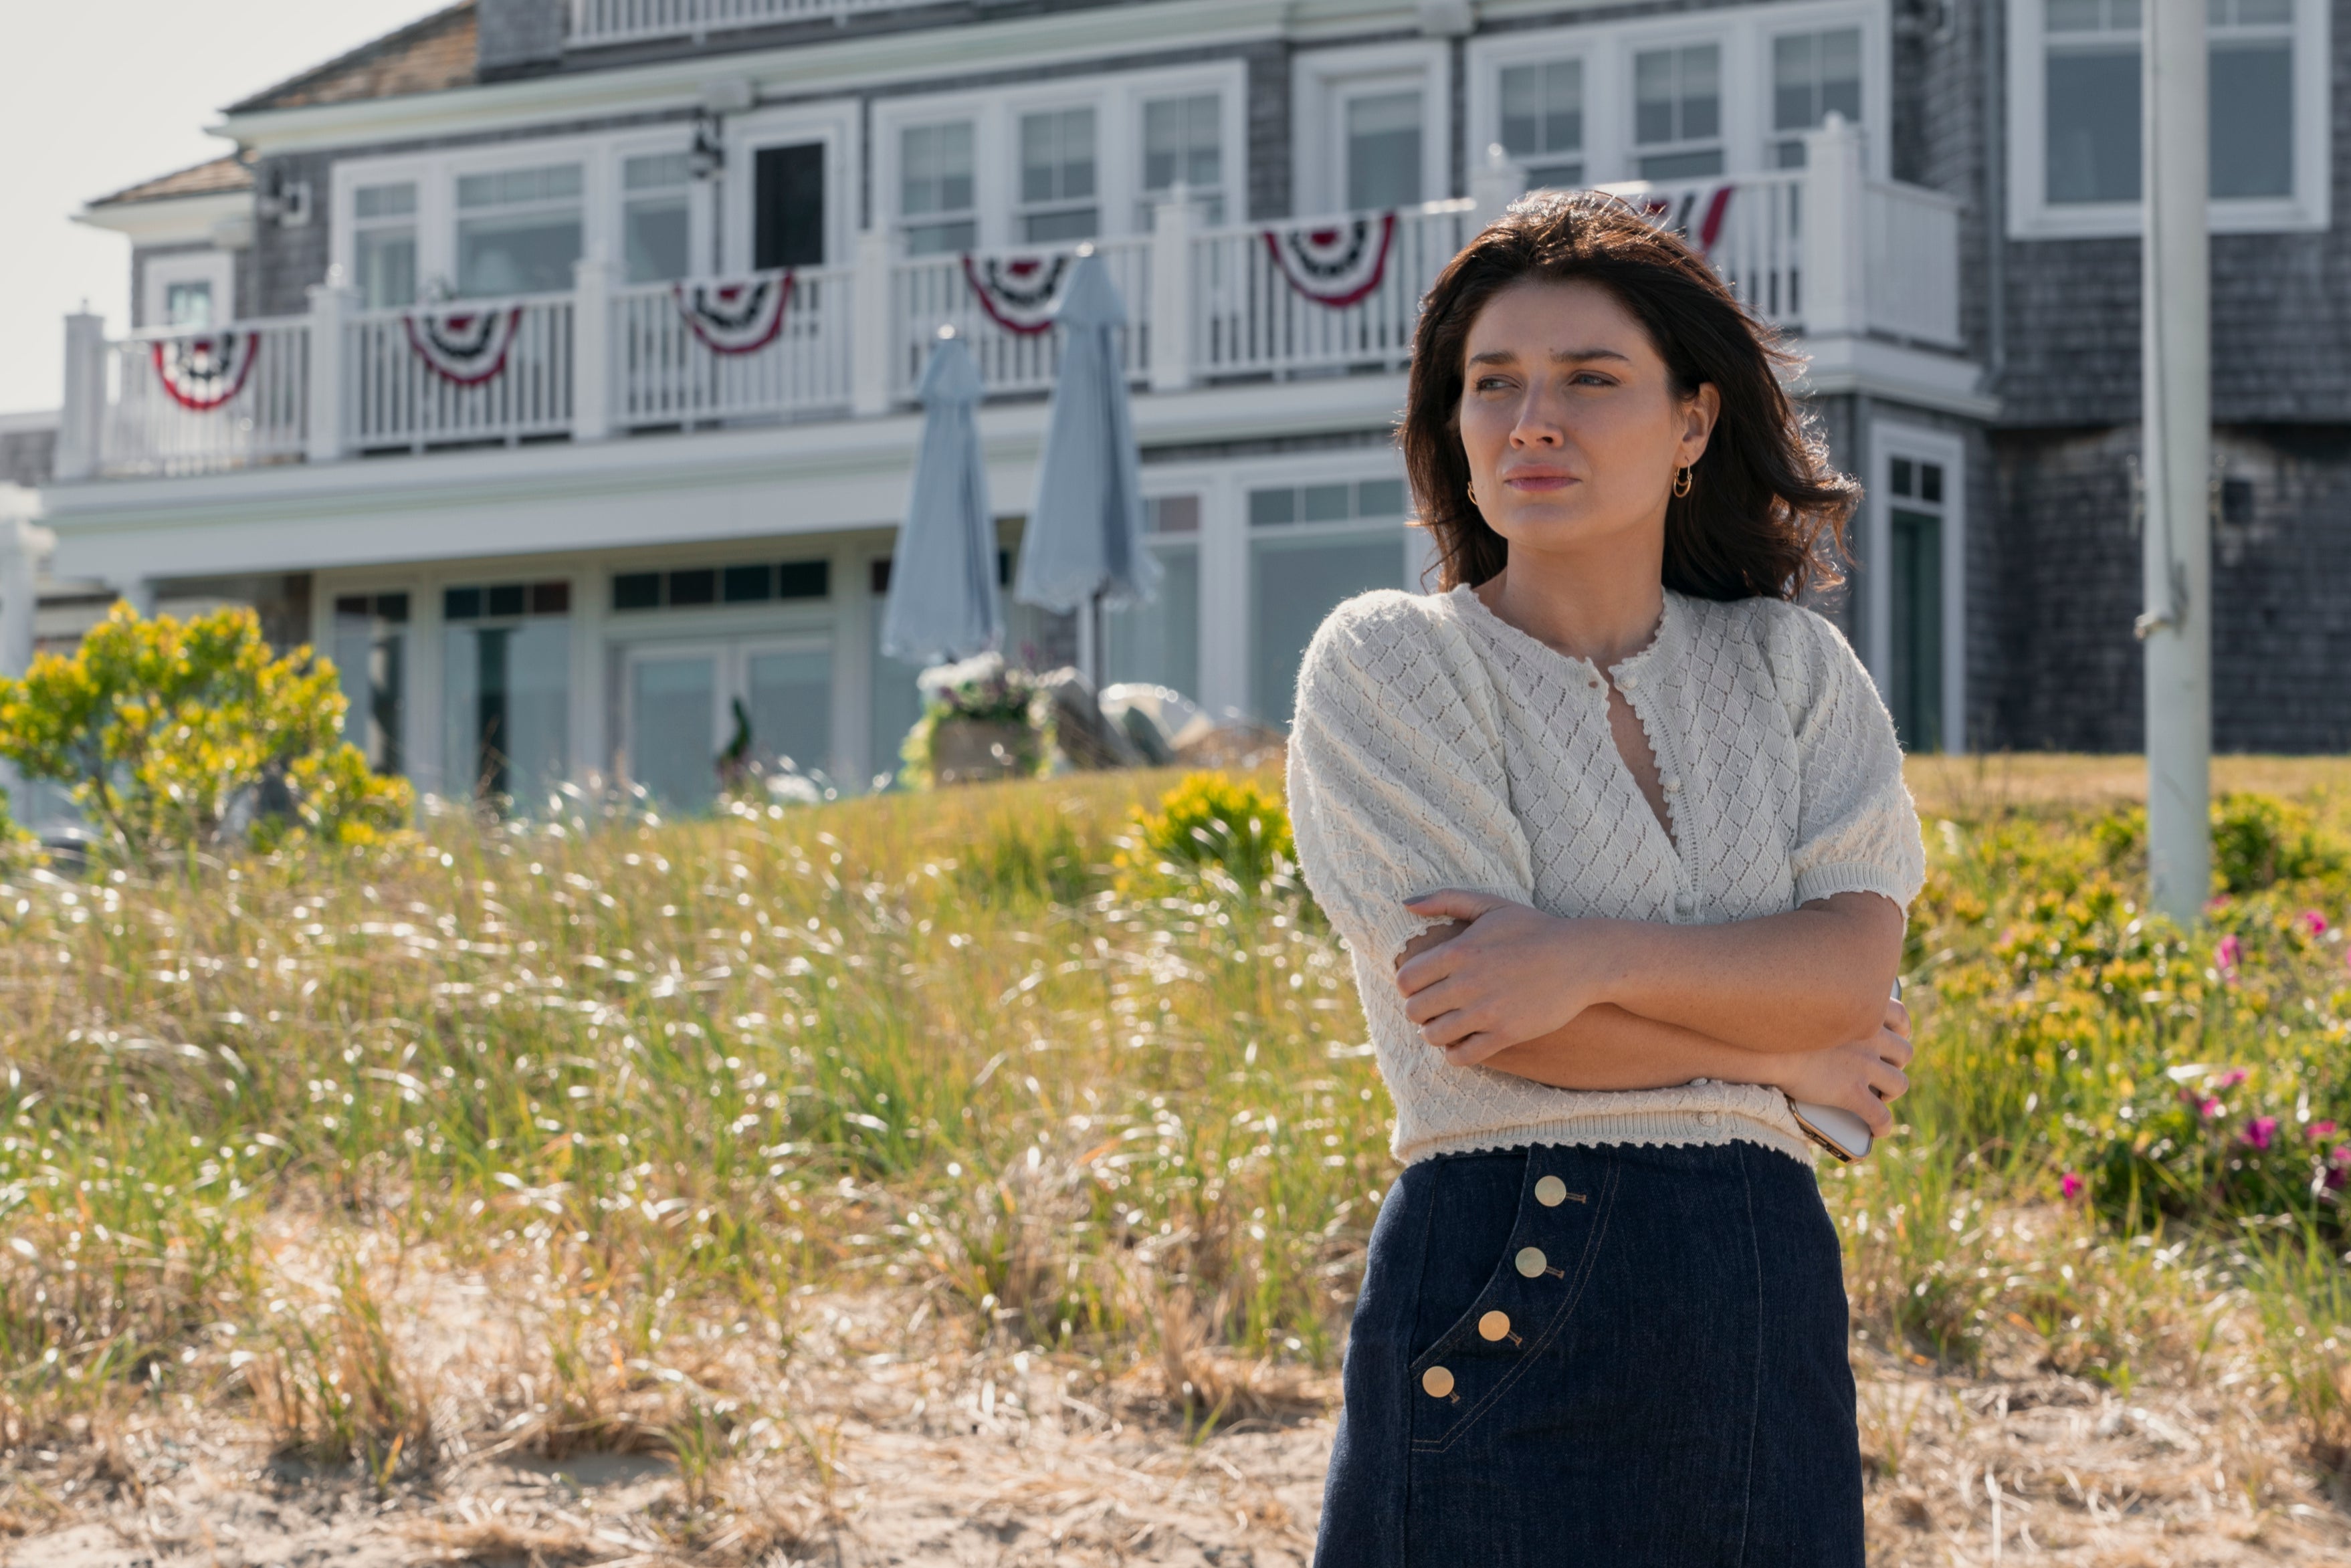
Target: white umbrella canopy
{"type": "Point", "coordinates": [1083, 545]}
{"type": "Point", "coordinates": [943, 605]}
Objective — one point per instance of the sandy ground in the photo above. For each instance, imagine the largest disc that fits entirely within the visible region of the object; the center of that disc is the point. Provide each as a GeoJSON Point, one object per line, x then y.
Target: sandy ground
{"type": "Point", "coordinates": [934, 1454]}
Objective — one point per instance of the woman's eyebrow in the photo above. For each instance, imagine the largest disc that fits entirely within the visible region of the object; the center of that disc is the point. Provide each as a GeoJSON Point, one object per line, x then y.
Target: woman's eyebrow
{"type": "Point", "coordinates": [1559, 356]}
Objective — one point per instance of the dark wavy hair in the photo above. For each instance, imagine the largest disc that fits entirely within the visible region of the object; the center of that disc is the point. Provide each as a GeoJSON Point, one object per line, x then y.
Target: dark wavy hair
{"type": "Point", "coordinates": [1766, 512]}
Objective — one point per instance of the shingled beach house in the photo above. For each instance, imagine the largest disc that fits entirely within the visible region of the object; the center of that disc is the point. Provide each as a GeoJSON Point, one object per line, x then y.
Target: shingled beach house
{"type": "Point", "coordinates": [550, 362]}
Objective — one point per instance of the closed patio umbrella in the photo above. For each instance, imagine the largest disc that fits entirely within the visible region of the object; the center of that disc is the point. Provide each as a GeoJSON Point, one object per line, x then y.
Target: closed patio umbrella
{"type": "Point", "coordinates": [1084, 547]}
{"type": "Point", "coordinates": [943, 605]}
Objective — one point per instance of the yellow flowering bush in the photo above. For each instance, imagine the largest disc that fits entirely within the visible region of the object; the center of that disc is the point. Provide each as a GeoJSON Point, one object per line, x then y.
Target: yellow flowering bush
{"type": "Point", "coordinates": [1211, 826]}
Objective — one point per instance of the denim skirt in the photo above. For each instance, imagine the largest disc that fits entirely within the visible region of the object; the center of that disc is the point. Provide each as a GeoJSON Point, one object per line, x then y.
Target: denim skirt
{"type": "Point", "coordinates": [1599, 1357]}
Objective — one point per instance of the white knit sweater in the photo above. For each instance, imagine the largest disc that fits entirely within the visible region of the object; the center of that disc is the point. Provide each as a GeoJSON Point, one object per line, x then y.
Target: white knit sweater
{"type": "Point", "coordinates": [1438, 746]}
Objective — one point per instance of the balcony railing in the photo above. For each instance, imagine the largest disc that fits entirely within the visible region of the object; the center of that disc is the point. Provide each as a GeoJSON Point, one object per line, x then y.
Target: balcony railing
{"type": "Point", "coordinates": [1819, 250]}
{"type": "Point", "coordinates": [595, 22]}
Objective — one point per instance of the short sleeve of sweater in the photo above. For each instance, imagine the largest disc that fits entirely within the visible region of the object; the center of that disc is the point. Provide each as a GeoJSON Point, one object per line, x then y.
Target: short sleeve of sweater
{"type": "Point", "coordinates": [1396, 779]}
{"type": "Point", "coordinates": [1856, 830]}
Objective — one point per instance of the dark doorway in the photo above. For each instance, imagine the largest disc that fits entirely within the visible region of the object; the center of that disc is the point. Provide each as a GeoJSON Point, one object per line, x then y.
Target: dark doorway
{"type": "Point", "coordinates": [788, 197]}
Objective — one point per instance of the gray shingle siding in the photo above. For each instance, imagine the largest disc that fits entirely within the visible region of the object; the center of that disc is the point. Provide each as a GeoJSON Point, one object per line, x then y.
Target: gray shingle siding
{"type": "Point", "coordinates": [518, 37]}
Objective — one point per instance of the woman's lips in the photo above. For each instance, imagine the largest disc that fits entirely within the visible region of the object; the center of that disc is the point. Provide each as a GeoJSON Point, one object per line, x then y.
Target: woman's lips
{"type": "Point", "coordinates": [1539, 483]}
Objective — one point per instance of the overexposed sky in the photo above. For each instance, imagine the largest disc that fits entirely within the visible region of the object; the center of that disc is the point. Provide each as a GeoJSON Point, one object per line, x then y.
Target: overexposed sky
{"type": "Point", "coordinates": [99, 94]}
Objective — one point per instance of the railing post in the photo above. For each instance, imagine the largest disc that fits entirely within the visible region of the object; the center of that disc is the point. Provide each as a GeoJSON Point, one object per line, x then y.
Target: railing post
{"type": "Point", "coordinates": [870, 341]}
{"type": "Point", "coordinates": [593, 388]}
{"type": "Point", "coordinates": [1835, 280]}
{"type": "Point", "coordinates": [81, 420]}
{"type": "Point", "coordinates": [330, 309]}
{"type": "Point", "coordinates": [1494, 185]}
{"type": "Point", "coordinates": [1173, 222]}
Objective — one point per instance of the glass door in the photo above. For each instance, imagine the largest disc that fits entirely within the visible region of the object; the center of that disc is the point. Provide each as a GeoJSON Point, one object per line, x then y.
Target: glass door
{"type": "Point", "coordinates": [783, 713]}
{"type": "Point", "coordinates": [673, 725]}
{"type": "Point", "coordinates": [1913, 573]}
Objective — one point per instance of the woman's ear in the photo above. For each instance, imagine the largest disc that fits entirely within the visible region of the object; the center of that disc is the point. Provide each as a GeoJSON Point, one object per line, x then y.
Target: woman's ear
{"type": "Point", "coordinates": [1699, 414]}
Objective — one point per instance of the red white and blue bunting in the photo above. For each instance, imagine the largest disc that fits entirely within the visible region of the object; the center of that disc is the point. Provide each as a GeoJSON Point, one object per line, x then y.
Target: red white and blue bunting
{"type": "Point", "coordinates": [739, 317]}
{"type": "Point", "coordinates": [1017, 291]}
{"type": "Point", "coordinates": [201, 374]}
{"type": "Point", "coordinates": [1709, 207]}
{"type": "Point", "coordinates": [464, 348]}
{"type": "Point", "coordinates": [1334, 264]}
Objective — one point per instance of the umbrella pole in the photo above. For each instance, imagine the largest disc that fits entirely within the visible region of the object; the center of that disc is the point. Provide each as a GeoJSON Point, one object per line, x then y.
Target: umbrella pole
{"type": "Point", "coordinates": [1101, 656]}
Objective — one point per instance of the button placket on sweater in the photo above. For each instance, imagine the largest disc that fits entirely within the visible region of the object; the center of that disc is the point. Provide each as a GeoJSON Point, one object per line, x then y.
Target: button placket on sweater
{"type": "Point", "coordinates": [1640, 685]}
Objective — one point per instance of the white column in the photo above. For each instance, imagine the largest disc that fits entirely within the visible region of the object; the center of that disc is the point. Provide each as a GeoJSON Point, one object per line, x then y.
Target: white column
{"type": "Point", "coordinates": [423, 744]}
{"type": "Point", "coordinates": [1494, 184]}
{"type": "Point", "coordinates": [23, 546]}
{"type": "Point", "coordinates": [139, 593]}
{"type": "Point", "coordinates": [1835, 303]}
{"type": "Point", "coordinates": [870, 341]}
{"type": "Point", "coordinates": [1224, 596]}
{"type": "Point", "coordinates": [591, 348]}
{"type": "Point", "coordinates": [330, 307]}
{"type": "Point", "coordinates": [1172, 223]}
{"type": "Point", "coordinates": [852, 668]}
{"type": "Point", "coordinates": [590, 747]}
{"type": "Point", "coordinates": [81, 419]}
{"type": "Point", "coordinates": [2176, 441]}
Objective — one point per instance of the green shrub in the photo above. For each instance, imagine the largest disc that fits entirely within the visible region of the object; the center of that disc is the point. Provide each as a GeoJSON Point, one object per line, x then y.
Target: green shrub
{"type": "Point", "coordinates": [172, 733]}
{"type": "Point", "coordinates": [2258, 842]}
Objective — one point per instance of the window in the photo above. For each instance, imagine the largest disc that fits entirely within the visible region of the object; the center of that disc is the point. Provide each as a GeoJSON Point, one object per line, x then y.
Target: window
{"type": "Point", "coordinates": [1543, 122]}
{"type": "Point", "coordinates": [2090, 101]}
{"type": "Point", "coordinates": [934, 188]}
{"type": "Point", "coordinates": [371, 656]}
{"type": "Point", "coordinates": [693, 586]}
{"type": "Point", "coordinates": [1383, 151]}
{"type": "Point", "coordinates": [519, 231]}
{"type": "Point", "coordinates": [1159, 643]}
{"type": "Point", "coordinates": [1183, 144]}
{"type": "Point", "coordinates": [1312, 546]}
{"type": "Point", "coordinates": [1813, 75]}
{"type": "Point", "coordinates": [1678, 112]}
{"type": "Point", "coordinates": [653, 231]}
{"type": "Point", "coordinates": [188, 303]}
{"type": "Point", "coordinates": [384, 245]}
{"type": "Point", "coordinates": [788, 206]}
{"type": "Point", "coordinates": [506, 685]}
{"type": "Point", "coordinates": [1057, 176]}
{"type": "Point", "coordinates": [1914, 566]}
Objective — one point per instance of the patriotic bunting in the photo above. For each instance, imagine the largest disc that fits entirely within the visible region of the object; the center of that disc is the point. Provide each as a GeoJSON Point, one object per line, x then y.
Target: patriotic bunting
{"type": "Point", "coordinates": [1337, 263]}
{"type": "Point", "coordinates": [1666, 213]}
{"type": "Point", "coordinates": [739, 317]}
{"type": "Point", "coordinates": [203, 373]}
{"type": "Point", "coordinates": [1017, 291]}
{"type": "Point", "coordinates": [464, 348]}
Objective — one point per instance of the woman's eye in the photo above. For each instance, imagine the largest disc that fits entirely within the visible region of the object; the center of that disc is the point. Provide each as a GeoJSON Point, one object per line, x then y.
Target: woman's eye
{"type": "Point", "coordinates": [1593, 379]}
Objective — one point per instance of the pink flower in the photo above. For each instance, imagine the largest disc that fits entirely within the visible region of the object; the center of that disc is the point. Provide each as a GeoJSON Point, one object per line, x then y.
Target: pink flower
{"type": "Point", "coordinates": [2071, 1186]}
{"type": "Point", "coordinates": [2333, 1179]}
{"type": "Point", "coordinates": [2339, 1155]}
{"type": "Point", "coordinates": [2228, 955]}
{"type": "Point", "coordinates": [2208, 1107]}
{"type": "Point", "coordinates": [2314, 922]}
{"type": "Point", "coordinates": [2317, 1131]}
{"type": "Point", "coordinates": [2262, 1131]}
{"type": "Point", "coordinates": [2232, 1078]}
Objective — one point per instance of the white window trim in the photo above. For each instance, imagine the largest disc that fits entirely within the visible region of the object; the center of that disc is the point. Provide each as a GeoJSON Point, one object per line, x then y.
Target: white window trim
{"type": "Point", "coordinates": [1320, 79]}
{"type": "Point", "coordinates": [215, 267]}
{"type": "Point", "coordinates": [1117, 101]}
{"type": "Point", "coordinates": [1745, 34]}
{"type": "Point", "coordinates": [832, 123]}
{"type": "Point", "coordinates": [2031, 215]}
{"type": "Point", "coordinates": [1887, 440]}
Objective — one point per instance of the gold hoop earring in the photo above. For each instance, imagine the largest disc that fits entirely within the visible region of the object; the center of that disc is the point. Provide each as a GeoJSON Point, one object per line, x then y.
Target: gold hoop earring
{"type": "Point", "coordinates": [1682, 483]}
{"type": "Point", "coordinates": [1473, 495]}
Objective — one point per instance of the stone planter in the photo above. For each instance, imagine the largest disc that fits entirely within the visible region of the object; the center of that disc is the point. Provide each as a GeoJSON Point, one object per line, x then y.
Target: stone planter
{"type": "Point", "coordinates": [974, 751]}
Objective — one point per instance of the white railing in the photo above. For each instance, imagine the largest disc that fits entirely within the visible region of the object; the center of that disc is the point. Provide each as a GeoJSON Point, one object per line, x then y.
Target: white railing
{"type": "Point", "coordinates": [1747, 225]}
{"type": "Point", "coordinates": [626, 21]}
{"type": "Point", "coordinates": [667, 374]}
{"type": "Point", "coordinates": [396, 396]}
{"type": "Point", "coordinates": [190, 401]}
{"type": "Point", "coordinates": [1910, 262]}
{"type": "Point", "coordinates": [931, 292]}
{"type": "Point", "coordinates": [1247, 318]}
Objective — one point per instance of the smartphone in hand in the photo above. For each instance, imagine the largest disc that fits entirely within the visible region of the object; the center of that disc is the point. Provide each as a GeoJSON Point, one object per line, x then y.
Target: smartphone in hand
{"type": "Point", "coordinates": [1840, 1132]}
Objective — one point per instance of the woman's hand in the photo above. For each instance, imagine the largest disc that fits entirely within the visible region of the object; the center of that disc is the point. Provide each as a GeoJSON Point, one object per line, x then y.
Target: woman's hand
{"type": "Point", "coordinates": [1862, 1076]}
{"type": "Point", "coordinates": [1509, 976]}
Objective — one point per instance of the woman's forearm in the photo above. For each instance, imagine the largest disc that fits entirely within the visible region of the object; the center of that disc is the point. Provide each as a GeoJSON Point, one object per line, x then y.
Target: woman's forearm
{"type": "Point", "coordinates": [1605, 1047]}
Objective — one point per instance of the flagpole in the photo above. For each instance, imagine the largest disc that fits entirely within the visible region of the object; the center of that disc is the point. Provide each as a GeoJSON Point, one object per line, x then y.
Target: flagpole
{"type": "Point", "coordinates": [2177, 439]}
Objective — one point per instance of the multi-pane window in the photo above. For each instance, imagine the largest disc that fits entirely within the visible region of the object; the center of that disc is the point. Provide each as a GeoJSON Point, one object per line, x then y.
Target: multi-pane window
{"type": "Point", "coordinates": [383, 245]}
{"type": "Point", "coordinates": [1159, 642]}
{"type": "Point", "coordinates": [1383, 150]}
{"type": "Point", "coordinates": [653, 227]}
{"type": "Point", "coordinates": [1813, 75]}
{"type": "Point", "coordinates": [1312, 546]}
{"type": "Point", "coordinates": [2091, 130]}
{"type": "Point", "coordinates": [1677, 111]}
{"type": "Point", "coordinates": [934, 188]}
{"type": "Point", "coordinates": [1543, 122]}
{"type": "Point", "coordinates": [506, 667]}
{"type": "Point", "coordinates": [188, 301]}
{"type": "Point", "coordinates": [1183, 144]}
{"type": "Point", "coordinates": [519, 231]}
{"type": "Point", "coordinates": [1057, 189]}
